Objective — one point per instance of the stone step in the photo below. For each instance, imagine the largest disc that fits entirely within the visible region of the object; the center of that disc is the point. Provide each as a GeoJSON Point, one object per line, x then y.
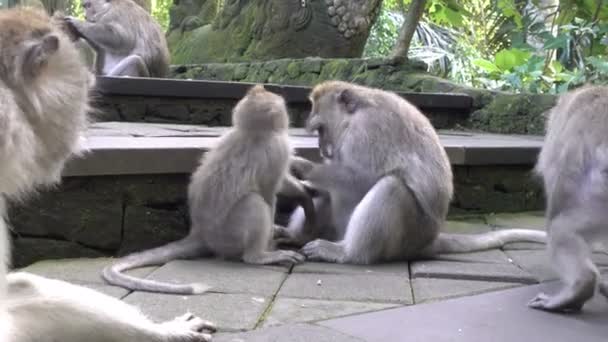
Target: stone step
{"type": "Point", "coordinates": [210, 102]}
{"type": "Point", "coordinates": [122, 148]}
{"type": "Point", "coordinates": [133, 184]}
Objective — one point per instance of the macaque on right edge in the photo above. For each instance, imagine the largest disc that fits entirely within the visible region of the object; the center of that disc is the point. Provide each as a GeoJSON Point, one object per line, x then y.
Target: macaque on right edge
{"type": "Point", "coordinates": [573, 164]}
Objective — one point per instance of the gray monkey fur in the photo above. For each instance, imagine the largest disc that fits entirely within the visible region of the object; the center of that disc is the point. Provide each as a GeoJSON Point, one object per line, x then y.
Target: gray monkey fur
{"type": "Point", "coordinates": [125, 37]}
{"type": "Point", "coordinates": [44, 102]}
{"type": "Point", "coordinates": [386, 180]}
{"type": "Point", "coordinates": [573, 164]}
{"type": "Point", "coordinates": [232, 197]}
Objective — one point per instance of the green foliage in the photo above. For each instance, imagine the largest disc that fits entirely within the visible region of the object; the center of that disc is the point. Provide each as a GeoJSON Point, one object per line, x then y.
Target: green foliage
{"type": "Point", "coordinates": [160, 12]}
{"type": "Point", "coordinates": [385, 32]}
{"type": "Point", "coordinates": [513, 45]}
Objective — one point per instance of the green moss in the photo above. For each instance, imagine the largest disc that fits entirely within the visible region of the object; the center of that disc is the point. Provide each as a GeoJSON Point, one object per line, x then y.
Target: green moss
{"type": "Point", "coordinates": [312, 65]}
{"type": "Point", "coordinates": [293, 69]}
{"type": "Point", "coordinates": [240, 72]}
{"type": "Point", "coordinates": [336, 69]}
{"type": "Point", "coordinates": [513, 113]}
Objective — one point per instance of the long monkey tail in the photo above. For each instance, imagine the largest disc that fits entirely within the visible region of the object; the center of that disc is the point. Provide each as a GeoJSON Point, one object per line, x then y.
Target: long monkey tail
{"type": "Point", "coordinates": [181, 249]}
{"type": "Point", "coordinates": [463, 243]}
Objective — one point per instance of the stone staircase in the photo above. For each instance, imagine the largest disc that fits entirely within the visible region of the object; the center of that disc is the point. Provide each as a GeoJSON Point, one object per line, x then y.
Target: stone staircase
{"type": "Point", "coordinates": [129, 191]}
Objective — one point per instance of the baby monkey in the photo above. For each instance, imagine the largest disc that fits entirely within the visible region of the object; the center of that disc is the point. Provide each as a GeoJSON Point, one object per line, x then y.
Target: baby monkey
{"type": "Point", "coordinates": [44, 88]}
{"type": "Point", "coordinates": [232, 197]}
{"type": "Point", "coordinates": [573, 164]}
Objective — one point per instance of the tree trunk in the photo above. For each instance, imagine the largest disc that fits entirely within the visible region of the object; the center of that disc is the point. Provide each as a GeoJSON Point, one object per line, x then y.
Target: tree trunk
{"type": "Point", "coordinates": [414, 13]}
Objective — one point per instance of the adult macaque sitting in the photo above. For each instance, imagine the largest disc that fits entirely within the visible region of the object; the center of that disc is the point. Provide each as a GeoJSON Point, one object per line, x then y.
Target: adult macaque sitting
{"type": "Point", "coordinates": [127, 40]}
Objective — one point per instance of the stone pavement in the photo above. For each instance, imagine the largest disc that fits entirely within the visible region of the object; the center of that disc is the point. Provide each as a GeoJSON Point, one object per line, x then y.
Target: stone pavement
{"type": "Point", "coordinates": [433, 300]}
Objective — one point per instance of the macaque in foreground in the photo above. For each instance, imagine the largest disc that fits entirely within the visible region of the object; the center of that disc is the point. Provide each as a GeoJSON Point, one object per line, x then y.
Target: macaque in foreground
{"type": "Point", "coordinates": [44, 96]}
{"type": "Point", "coordinates": [573, 164]}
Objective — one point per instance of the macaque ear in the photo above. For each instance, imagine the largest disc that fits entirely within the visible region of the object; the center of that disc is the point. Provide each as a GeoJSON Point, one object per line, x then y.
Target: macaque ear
{"type": "Point", "coordinates": [39, 53]}
{"type": "Point", "coordinates": [349, 100]}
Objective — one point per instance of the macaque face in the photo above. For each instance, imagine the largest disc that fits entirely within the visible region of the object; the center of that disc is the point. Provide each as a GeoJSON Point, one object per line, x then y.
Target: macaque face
{"type": "Point", "coordinates": [95, 9]}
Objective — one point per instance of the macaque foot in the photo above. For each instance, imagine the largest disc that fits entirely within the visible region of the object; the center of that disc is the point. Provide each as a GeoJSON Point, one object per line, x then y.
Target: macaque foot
{"type": "Point", "coordinates": [556, 303]}
{"type": "Point", "coordinates": [323, 250]}
{"type": "Point", "coordinates": [188, 328]}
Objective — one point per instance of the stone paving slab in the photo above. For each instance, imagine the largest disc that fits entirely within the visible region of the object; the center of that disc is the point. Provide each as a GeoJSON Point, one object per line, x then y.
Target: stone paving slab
{"type": "Point", "coordinates": [496, 316]}
{"type": "Point", "coordinates": [353, 287]}
{"type": "Point", "coordinates": [471, 271]}
{"type": "Point", "coordinates": [224, 276]}
{"type": "Point", "coordinates": [288, 333]}
{"type": "Point", "coordinates": [298, 310]}
{"type": "Point", "coordinates": [433, 289]}
{"type": "Point", "coordinates": [79, 271]}
{"type": "Point", "coordinates": [516, 246]}
{"type": "Point", "coordinates": [494, 256]}
{"type": "Point", "coordinates": [399, 268]}
{"type": "Point", "coordinates": [538, 264]}
{"type": "Point", "coordinates": [230, 312]}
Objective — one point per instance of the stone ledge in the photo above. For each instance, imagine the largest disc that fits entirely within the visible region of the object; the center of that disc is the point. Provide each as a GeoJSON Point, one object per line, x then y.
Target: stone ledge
{"type": "Point", "coordinates": [137, 148]}
{"type": "Point", "coordinates": [203, 89]}
{"type": "Point", "coordinates": [210, 102]}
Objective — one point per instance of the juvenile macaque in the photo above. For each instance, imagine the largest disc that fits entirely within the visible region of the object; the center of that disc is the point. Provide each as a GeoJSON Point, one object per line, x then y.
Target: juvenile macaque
{"type": "Point", "coordinates": [231, 196]}
{"type": "Point", "coordinates": [385, 186]}
{"type": "Point", "coordinates": [126, 39]}
{"type": "Point", "coordinates": [573, 164]}
{"type": "Point", "coordinates": [44, 88]}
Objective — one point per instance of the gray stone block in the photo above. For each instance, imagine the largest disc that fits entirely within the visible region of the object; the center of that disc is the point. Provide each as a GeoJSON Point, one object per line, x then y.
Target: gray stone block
{"type": "Point", "coordinates": [291, 333]}
{"type": "Point", "coordinates": [296, 310]}
{"type": "Point", "coordinates": [491, 256]}
{"type": "Point", "coordinates": [94, 220]}
{"type": "Point", "coordinates": [538, 264]}
{"type": "Point", "coordinates": [500, 316]}
{"type": "Point", "coordinates": [354, 287]}
{"type": "Point", "coordinates": [432, 289]}
{"type": "Point", "coordinates": [224, 276]}
{"type": "Point", "coordinates": [230, 312]}
{"type": "Point", "coordinates": [146, 228]}
{"type": "Point", "coordinates": [26, 251]}
{"type": "Point", "coordinates": [79, 271]}
{"type": "Point", "coordinates": [400, 268]}
{"type": "Point", "coordinates": [470, 271]}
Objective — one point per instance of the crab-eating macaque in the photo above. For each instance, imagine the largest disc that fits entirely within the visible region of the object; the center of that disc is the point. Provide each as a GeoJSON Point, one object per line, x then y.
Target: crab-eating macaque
{"type": "Point", "coordinates": [126, 39]}
{"type": "Point", "coordinates": [44, 96]}
{"type": "Point", "coordinates": [87, 53]}
{"type": "Point", "coordinates": [231, 197]}
{"type": "Point", "coordinates": [385, 184]}
{"type": "Point", "coordinates": [573, 164]}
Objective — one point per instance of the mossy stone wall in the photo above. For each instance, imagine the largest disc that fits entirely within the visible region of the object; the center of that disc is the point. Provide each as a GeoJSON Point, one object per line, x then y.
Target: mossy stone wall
{"type": "Point", "coordinates": [492, 111]}
{"type": "Point", "coordinates": [117, 215]}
